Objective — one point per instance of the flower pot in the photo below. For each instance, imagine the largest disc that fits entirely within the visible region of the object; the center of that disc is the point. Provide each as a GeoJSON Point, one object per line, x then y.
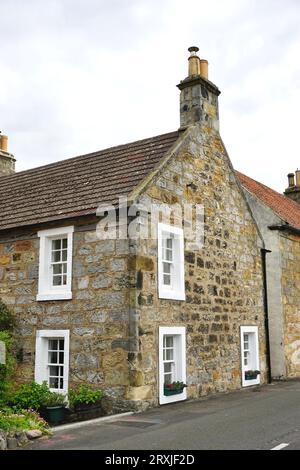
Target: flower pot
{"type": "Point", "coordinates": [168, 392]}
{"type": "Point", "coordinates": [54, 415]}
{"type": "Point", "coordinates": [251, 376]}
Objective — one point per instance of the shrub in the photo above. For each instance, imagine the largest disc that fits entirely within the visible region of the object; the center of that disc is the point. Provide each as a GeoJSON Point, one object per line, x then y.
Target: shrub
{"type": "Point", "coordinates": [31, 395]}
{"type": "Point", "coordinates": [55, 399]}
{"type": "Point", "coordinates": [84, 395]}
{"type": "Point", "coordinates": [24, 420]}
{"type": "Point", "coordinates": [7, 321]}
{"type": "Point", "coordinates": [7, 369]}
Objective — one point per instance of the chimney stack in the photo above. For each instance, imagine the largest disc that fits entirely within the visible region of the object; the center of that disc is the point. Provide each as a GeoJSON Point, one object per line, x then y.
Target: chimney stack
{"type": "Point", "coordinates": [293, 190]}
{"type": "Point", "coordinates": [7, 160]}
{"type": "Point", "coordinates": [199, 96]}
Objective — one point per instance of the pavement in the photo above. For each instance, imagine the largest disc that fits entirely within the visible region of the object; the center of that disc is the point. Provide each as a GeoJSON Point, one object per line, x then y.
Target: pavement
{"type": "Point", "coordinates": [260, 418]}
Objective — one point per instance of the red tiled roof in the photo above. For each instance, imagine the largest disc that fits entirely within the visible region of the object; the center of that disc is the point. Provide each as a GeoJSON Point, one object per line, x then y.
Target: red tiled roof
{"type": "Point", "coordinates": [287, 209]}
{"type": "Point", "coordinates": [78, 185]}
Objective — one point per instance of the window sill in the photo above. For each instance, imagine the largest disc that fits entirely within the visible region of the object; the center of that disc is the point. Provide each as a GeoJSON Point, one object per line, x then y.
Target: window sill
{"type": "Point", "coordinates": [248, 383]}
{"type": "Point", "coordinates": [164, 399]}
{"type": "Point", "coordinates": [55, 296]}
{"type": "Point", "coordinates": [171, 295]}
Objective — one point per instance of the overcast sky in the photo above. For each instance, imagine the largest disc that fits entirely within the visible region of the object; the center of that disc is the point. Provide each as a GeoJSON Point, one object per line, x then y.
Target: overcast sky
{"type": "Point", "coordinates": [77, 76]}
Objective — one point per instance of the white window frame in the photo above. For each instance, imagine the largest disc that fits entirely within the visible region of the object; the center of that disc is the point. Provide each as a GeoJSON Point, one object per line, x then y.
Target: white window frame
{"type": "Point", "coordinates": [177, 290]}
{"type": "Point", "coordinates": [41, 356]}
{"type": "Point", "coordinates": [255, 344]}
{"type": "Point", "coordinates": [180, 360]}
{"type": "Point", "coordinates": [45, 289]}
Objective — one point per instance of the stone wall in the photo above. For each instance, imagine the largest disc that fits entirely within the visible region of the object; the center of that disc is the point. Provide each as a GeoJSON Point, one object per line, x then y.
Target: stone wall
{"type": "Point", "coordinates": [290, 285]}
{"type": "Point", "coordinates": [223, 280]}
{"type": "Point", "coordinates": [97, 316]}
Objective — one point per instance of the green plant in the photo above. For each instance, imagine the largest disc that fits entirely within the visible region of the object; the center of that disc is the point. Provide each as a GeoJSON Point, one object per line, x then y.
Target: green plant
{"type": "Point", "coordinates": [84, 395]}
{"type": "Point", "coordinates": [7, 369]}
{"type": "Point", "coordinates": [7, 321]}
{"type": "Point", "coordinates": [176, 386]}
{"type": "Point", "coordinates": [251, 374]}
{"type": "Point", "coordinates": [11, 421]}
{"type": "Point", "coordinates": [31, 395]}
{"type": "Point", "coordinates": [54, 399]}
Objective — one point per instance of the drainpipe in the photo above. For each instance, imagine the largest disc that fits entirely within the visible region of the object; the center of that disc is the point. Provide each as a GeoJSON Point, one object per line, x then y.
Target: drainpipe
{"type": "Point", "coordinates": [266, 312]}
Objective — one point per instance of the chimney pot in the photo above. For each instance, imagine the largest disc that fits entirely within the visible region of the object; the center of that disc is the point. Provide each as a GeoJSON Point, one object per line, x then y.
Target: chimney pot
{"type": "Point", "coordinates": [194, 61]}
{"type": "Point", "coordinates": [297, 178]}
{"type": "Point", "coordinates": [204, 68]}
{"type": "Point", "coordinates": [291, 178]}
{"type": "Point", "coordinates": [3, 142]}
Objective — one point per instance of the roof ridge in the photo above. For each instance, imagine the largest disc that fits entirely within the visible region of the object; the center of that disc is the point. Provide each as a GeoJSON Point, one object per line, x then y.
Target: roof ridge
{"type": "Point", "coordinates": [91, 154]}
{"type": "Point", "coordinates": [285, 208]}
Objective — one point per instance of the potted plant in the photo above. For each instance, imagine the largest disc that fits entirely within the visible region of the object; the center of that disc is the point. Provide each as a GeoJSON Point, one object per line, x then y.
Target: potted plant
{"type": "Point", "coordinates": [54, 408]}
{"type": "Point", "coordinates": [174, 388]}
{"type": "Point", "coordinates": [251, 374]}
{"type": "Point", "coordinates": [84, 399]}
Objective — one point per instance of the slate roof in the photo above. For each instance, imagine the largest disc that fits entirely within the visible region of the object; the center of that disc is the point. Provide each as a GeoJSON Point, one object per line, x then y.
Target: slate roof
{"type": "Point", "coordinates": [76, 186]}
{"type": "Point", "coordinates": [287, 209]}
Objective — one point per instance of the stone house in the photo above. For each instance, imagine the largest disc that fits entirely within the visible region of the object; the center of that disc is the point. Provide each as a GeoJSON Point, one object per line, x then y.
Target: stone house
{"type": "Point", "coordinates": [99, 304]}
{"type": "Point", "coordinates": [278, 218]}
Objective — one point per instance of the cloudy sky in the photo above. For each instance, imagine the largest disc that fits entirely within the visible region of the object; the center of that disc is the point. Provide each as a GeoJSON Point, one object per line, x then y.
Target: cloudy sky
{"type": "Point", "coordinates": [77, 76]}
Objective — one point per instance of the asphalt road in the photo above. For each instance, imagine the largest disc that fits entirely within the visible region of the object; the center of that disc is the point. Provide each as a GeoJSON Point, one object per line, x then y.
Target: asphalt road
{"type": "Point", "coordinates": [261, 418]}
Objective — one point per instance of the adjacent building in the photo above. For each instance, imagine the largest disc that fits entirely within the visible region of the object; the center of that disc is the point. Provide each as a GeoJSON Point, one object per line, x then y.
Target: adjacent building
{"type": "Point", "coordinates": [278, 218]}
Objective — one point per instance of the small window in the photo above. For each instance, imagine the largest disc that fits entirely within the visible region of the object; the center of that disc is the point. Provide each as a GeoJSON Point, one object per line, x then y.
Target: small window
{"type": "Point", "coordinates": [56, 361]}
{"type": "Point", "coordinates": [52, 359]}
{"type": "Point", "coordinates": [172, 363]}
{"type": "Point", "coordinates": [55, 268]}
{"type": "Point", "coordinates": [250, 355]}
{"type": "Point", "coordinates": [169, 359]}
{"type": "Point", "coordinates": [170, 262]}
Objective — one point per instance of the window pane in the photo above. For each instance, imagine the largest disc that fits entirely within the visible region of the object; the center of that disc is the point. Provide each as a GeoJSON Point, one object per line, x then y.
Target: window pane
{"type": "Point", "coordinates": [61, 383]}
{"type": "Point", "coordinates": [167, 268]}
{"type": "Point", "coordinates": [64, 255]}
{"type": "Point", "coordinates": [169, 354]}
{"type": "Point", "coordinates": [168, 367]}
{"type": "Point", "coordinates": [56, 256]}
{"type": "Point", "coordinates": [57, 268]}
{"type": "Point", "coordinates": [53, 344]}
{"type": "Point", "coordinates": [53, 382]}
{"type": "Point", "coordinates": [54, 371]}
{"type": "Point", "coordinates": [56, 244]}
{"type": "Point", "coordinates": [64, 268]}
{"type": "Point", "coordinates": [65, 243]}
{"type": "Point", "coordinates": [169, 242]}
{"type": "Point", "coordinates": [64, 281]}
{"type": "Point", "coordinates": [57, 280]}
{"type": "Point", "coordinates": [169, 341]}
{"type": "Point", "coordinates": [52, 358]}
{"type": "Point", "coordinates": [61, 344]}
{"type": "Point", "coordinates": [168, 378]}
{"type": "Point", "coordinates": [167, 279]}
{"type": "Point", "coordinates": [61, 357]}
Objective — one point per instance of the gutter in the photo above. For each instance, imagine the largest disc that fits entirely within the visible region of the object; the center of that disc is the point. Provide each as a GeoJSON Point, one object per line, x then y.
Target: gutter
{"type": "Point", "coordinates": [264, 252]}
{"type": "Point", "coordinates": [285, 227]}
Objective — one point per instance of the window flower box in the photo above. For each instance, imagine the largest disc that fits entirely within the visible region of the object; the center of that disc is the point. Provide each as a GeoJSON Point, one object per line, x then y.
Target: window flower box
{"type": "Point", "coordinates": [174, 388]}
{"type": "Point", "coordinates": [251, 374]}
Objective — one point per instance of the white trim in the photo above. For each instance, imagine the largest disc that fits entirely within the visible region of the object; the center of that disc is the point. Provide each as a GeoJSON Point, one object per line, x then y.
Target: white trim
{"type": "Point", "coordinates": [178, 291]}
{"type": "Point", "coordinates": [250, 329]}
{"type": "Point", "coordinates": [45, 290]}
{"type": "Point", "coordinates": [180, 360]}
{"type": "Point", "coordinates": [41, 351]}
